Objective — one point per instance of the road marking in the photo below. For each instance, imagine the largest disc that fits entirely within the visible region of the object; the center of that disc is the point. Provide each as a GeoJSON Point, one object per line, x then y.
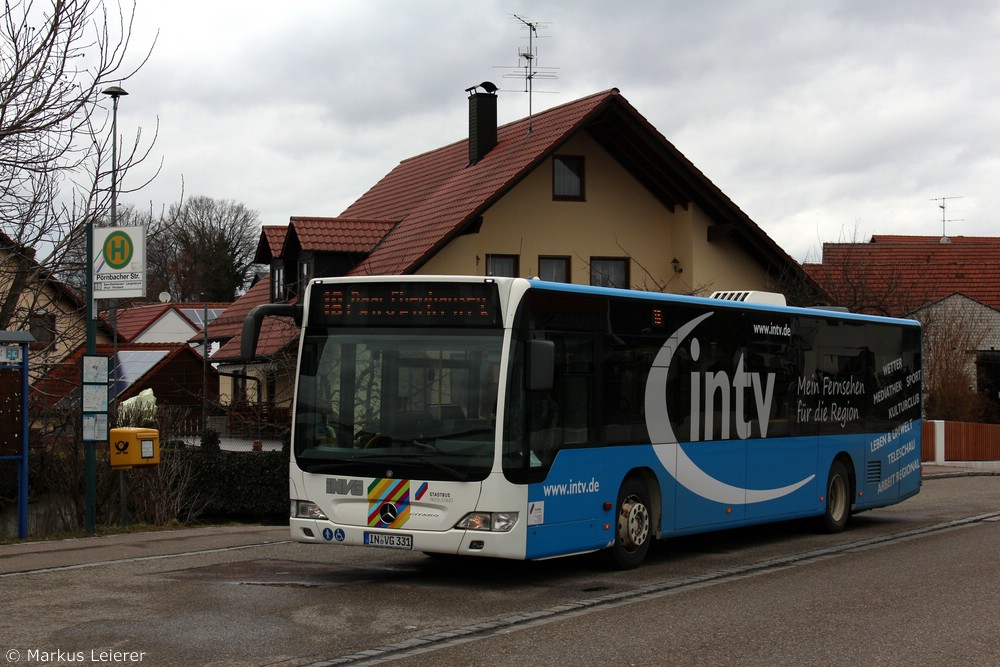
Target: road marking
{"type": "Point", "coordinates": [530, 619]}
{"type": "Point", "coordinates": [138, 559]}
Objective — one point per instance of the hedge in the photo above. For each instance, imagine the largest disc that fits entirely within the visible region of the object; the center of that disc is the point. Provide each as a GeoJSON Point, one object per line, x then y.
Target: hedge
{"type": "Point", "coordinates": [243, 485]}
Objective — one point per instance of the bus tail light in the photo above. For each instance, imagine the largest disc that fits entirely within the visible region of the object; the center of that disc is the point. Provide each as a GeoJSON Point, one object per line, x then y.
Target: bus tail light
{"type": "Point", "coordinates": [496, 522]}
{"type": "Point", "coordinates": [303, 509]}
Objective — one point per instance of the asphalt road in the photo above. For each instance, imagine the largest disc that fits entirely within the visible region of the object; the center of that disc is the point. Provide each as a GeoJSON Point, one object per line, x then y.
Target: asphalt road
{"type": "Point", "coordinates": [915, 584]}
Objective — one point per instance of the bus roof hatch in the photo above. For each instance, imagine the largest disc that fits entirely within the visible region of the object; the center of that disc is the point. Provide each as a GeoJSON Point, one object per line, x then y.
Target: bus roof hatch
{"type": "Point", "coordinates": [751, 296]}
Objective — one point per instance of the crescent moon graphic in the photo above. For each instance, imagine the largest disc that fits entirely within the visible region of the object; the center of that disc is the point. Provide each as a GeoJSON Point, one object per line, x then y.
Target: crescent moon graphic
{"type": "Point", "coordinates": [672, 455]}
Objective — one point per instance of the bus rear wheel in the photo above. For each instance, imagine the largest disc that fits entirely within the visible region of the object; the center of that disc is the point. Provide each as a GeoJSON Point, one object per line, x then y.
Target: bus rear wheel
{"type": "Point", "coordinates": [633, 526]}
{"type": "Point", "coordinates": [838, 499]}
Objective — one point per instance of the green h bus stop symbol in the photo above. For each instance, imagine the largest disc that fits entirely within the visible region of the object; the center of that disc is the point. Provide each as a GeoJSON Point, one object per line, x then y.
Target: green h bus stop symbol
{"type": "Point", "coordinates": [118, 250]}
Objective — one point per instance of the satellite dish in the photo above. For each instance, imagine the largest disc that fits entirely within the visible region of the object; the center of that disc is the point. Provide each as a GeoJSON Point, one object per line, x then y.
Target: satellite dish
{"type": "Point", "coordinates": [164, 297]}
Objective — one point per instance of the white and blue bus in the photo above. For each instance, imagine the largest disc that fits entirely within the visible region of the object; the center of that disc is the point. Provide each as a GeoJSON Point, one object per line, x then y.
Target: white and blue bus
{"type": "Point", "coordinates": [525, 419]}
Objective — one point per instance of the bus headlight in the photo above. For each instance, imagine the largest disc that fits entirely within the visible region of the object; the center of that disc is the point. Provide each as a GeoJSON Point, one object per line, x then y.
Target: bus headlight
{"type": "Point", "coordinates": [303, 509]}
{"type": "Point", "coordinates": [496, 522]}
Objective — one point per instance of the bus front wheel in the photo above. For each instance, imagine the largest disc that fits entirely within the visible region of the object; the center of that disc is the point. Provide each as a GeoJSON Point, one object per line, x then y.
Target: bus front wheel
{"type": "Point", "coordinates": [838, 499]}
{"type": "Point", "coordinates": [633, 527]}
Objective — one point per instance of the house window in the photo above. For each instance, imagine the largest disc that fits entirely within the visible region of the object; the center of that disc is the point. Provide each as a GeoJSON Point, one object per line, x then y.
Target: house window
{"type": "Point", "coordinates": [609, 272]}
{"type": "Point", "coordinates": [277, 283]}
{"type": "Point", "coordinates": [555, 269]}
{"type": "Point", "coordinates": [42, 326]}
{"type": "Point", "coordinates": [502, 266]}
{"type": "Point", "coordinates": [567, 177]}
{"type": "Point", "coordinates": [272, 388]}
{"type": "Point", "coordinates": [305, 274]}
{"type": "Point", "coordinates": [239, 389]}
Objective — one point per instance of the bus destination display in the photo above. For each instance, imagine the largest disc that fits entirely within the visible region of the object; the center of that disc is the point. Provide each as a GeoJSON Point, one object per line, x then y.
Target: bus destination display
{"type": "Point", "coordinates": [407, 304]}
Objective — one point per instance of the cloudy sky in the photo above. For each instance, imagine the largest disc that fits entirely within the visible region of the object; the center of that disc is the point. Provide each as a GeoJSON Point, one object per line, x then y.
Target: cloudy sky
{"type": "Point", "coordinates": [823, 121]}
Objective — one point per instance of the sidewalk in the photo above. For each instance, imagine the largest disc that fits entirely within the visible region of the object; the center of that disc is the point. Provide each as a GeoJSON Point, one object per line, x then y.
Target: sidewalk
{"type": "Point", "coordinates": [930, 469]}
{"type": "Point", "coordinates": [78, 552]}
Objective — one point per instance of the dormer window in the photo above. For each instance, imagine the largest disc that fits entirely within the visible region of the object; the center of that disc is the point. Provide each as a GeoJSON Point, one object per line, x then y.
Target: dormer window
{"type": "Point", "coordinates": [278, 283]}
{"type": "Point", "coordinates": [567, 178]}
{"type": "Point", "coordinates": [305, 274]}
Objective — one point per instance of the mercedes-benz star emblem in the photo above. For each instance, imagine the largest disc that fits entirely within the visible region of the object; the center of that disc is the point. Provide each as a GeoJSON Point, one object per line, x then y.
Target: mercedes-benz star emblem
{"type": "Point", "coordinates": [387, 513]}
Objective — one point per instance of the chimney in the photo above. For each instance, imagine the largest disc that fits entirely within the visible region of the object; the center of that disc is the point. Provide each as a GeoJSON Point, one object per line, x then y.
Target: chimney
{"type": "Point", "coordinates": [482, 121]}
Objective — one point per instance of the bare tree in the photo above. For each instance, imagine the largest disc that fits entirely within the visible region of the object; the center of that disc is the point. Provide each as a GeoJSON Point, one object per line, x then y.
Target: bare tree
{"type": "Point", "coordinates": [951, 337]}
{"type": "Point", "coordinates": [853, 280]}
{"type": "Point", "coordinates": [55, 58]}
{"type": "Point", "coordinates": [203, 248]}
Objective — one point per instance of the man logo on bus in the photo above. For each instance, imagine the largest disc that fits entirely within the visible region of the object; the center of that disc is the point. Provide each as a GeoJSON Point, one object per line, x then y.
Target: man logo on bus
{"type": "Point", "coordinates": [661, 433]}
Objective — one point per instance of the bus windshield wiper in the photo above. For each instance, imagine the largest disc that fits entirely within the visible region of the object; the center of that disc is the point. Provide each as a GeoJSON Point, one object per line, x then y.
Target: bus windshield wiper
{"type": "Point", "coordinates": [481, 430]}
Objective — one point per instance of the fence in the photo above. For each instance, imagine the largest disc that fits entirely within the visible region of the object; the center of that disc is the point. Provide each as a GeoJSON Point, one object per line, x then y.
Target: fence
{"type": "Point", "coordinates": [960, 441]}
{"type": "Point", "coordinates": [240, 427]}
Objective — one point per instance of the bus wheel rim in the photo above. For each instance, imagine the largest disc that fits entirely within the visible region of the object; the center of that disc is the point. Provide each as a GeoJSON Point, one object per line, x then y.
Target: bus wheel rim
{"type": "Point", "coordinates": [838, 493]}
{"type": "Point", "coordinates": [633, 523]}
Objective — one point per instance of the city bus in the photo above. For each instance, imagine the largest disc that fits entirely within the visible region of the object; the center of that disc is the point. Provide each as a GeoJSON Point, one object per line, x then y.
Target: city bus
{"type": "Point", "coordinates": [523, 419]}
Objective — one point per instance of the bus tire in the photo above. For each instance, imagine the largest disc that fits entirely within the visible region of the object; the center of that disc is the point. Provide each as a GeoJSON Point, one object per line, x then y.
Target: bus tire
{"type": "Point", "coordinates": [838, 499]}
{"type": "Point", "coordinates": [633, 525]}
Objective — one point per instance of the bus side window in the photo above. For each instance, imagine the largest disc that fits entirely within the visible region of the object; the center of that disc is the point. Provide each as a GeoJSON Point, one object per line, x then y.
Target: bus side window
{"type": "Point", "coordinates": [572, 386]}
{"type": "Point", "coordinates": [545, 435]}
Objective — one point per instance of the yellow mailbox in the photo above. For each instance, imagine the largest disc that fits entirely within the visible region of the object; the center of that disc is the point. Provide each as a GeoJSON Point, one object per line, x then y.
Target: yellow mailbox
{"type": "Point", "coordinates": [134, 448]}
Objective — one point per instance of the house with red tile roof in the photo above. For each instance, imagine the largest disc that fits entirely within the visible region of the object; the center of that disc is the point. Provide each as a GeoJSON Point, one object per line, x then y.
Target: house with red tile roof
{"type": "Point", "coordinates": [174, 371]}
{"type": "Point", "coordinates": [310, 247]}
{"type": "Point", "coordinates": [162, 322]}
{"type": "Point", "coordinates": [896, 275]}
{"type": "Point", "coordinates": [586, 192]}
{"type": "Point", "coordinates": [32, 299]}
{"type": "Point", "coordinates": [950, 284]}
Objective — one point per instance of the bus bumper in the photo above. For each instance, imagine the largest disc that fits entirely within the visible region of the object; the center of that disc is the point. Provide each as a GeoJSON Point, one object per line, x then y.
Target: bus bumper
{"type": "Point", "coordinates": [455, 541]}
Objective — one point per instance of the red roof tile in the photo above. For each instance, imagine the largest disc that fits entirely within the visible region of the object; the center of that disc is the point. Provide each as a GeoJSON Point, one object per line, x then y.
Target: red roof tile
{"type": "Point", "coordinates": [895, 275]}
{"type": "Point", "coordinates": [339, 234]}
{"type": "Point", "coordinates": [230, 322]}
{"type": "Point", "coordinates": [132, 322]}
{"type": "Point", "coordinates": [272, 240]}
{"type": "Point", "coordinates": [275, 332]}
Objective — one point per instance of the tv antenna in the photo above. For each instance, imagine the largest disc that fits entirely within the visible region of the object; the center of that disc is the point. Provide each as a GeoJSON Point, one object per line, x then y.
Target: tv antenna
{"type": "Point", "coordinates": [527, 67]}
{"type": "Point", "coordinates": [943, 205]}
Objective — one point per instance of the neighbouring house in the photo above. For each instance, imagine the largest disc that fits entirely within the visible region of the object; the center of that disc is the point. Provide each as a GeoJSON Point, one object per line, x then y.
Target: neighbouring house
{"type": "Point", "coordinates": [176, 372]}
{"type": "Point", "coordinates": [255, 396]}
{"type": "Point", "coordinates": [951, 285]}
{"type": "Point", "coordinates": [587, 192]}
{"type": "Point", "coordinates": [164, 322]}
{"type": "Point", "coordinates": [33, 300]}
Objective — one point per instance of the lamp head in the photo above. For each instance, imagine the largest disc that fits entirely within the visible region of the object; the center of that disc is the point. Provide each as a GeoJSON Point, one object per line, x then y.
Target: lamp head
{"type": "Point", "coordinates": [114, 92]}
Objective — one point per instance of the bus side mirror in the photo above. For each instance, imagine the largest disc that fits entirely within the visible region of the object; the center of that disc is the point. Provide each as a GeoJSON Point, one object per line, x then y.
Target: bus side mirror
{"type": "Point", "coordinates": [251, 324]}
{"type": "Point", "coordinates": [541, 364]}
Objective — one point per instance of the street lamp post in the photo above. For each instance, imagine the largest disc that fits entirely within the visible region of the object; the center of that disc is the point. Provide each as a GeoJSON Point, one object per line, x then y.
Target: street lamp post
{"type": "Point", "coordinates": [204, 367]}
{"type": "Point", "coordinates": [90, 446]}
{"type": "Point", "coordinates": [114, 92]}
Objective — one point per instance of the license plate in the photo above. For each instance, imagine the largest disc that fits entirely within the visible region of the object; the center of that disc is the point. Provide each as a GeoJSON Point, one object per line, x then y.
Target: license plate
{"type": "Point", "coordinates": [389, 540]}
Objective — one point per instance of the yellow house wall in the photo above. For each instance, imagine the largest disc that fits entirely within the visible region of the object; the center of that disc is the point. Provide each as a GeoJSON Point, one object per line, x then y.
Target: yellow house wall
{"type": "Point", "coordinates": [283, 389]}
{"type": "Point", "coordinates": [70, 324]}
{"type": "Point", "coordinates": [722, 264]}
{"type": "Point", "coordinates": [619, 218]}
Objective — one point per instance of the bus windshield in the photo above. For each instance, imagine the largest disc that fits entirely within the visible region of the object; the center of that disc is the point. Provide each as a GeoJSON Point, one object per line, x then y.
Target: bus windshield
{"type": "Point", "coordinates": [417, 403]}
